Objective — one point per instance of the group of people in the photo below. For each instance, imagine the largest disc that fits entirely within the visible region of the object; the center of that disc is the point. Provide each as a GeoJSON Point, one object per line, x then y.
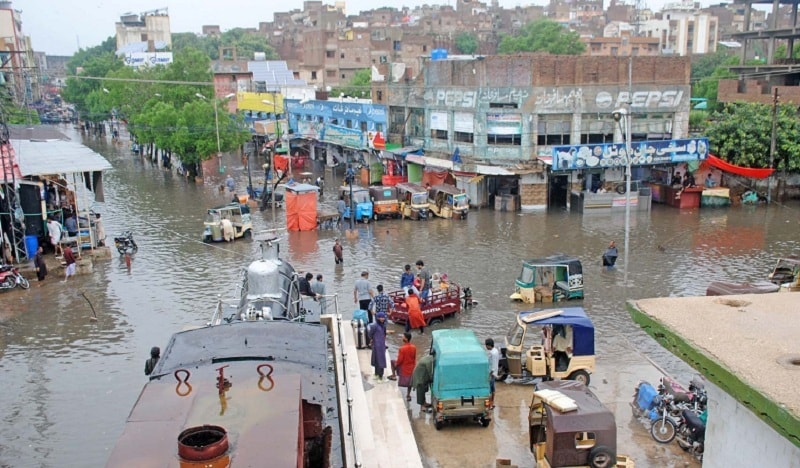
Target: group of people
{"type": "Point", "coordinates": [315, 289]}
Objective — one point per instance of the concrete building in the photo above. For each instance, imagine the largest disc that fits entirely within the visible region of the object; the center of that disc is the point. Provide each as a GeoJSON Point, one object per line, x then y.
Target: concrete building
{"type": "Point", "coordinates": [746, 348]}
{"type": "Point", "coordinates": [683, 30]}
{"type": "Point", "coordinates": [504, 112]}
{"type": "Point", "coordinates": [150, 27]}
{"type": "Point", "coordinates": [18, 71]}
{"type": "Point", "coordinates": [622, 44]}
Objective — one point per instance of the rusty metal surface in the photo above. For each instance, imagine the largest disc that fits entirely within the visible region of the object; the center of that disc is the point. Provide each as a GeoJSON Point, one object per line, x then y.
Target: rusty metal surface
{"type": "Point", "coordinates": [262, 414]}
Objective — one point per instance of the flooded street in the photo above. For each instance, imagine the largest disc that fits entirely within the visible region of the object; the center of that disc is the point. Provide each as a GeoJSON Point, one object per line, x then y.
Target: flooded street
{"type": "Point", "coordinates": [69, 382]}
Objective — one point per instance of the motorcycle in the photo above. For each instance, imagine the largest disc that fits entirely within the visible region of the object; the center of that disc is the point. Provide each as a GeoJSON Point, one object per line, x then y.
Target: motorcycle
{"type": "Point", "coordinates": [10, 278]}
{"type": "Point", "coordinates": [665, 406]}
{"type": "Point", "coordinates": [664, 424]}
{"type": "Point", "coordinates": [125, 243]}
{"type": "Point", "coordinates": [692, 433]}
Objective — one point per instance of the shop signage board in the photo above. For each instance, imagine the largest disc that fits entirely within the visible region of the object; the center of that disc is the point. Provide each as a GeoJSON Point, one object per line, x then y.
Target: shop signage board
{"type": "Point", "coordinates": [645, 153]}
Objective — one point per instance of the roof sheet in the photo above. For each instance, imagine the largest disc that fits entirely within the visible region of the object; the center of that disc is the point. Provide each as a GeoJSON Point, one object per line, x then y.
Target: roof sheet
{"type": "Point", "coordinates": [56, 157]}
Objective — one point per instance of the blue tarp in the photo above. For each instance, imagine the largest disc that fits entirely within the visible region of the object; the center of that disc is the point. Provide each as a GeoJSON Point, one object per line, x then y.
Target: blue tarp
{"type": "Point", "coordinates": [582, 327]}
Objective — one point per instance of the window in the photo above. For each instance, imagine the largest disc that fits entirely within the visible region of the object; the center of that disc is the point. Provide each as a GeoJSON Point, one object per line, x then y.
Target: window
{"type": "Point", "coordinates": [363, 126]}
{"type": "Point", "coordinates": [342, 55]}
{"type": "Point", "coordinates": [439, 125]}
{"type": "Point", "coordinates": [334, 121]}
{"type": "Point", "coordinates": [504, 129]}
{"type": "Point", "coordinates": [554, 129]}
{"type": "Point", "coordinates": [585, 440]}
{"type": "Point", "coordinates": [614, 51]}
{"type": "Point", "coordinates": [416, 123]}
{"type": "Point", "coordinates": [380, 95]}
{"type": "Point", "coordinates": [144, 37]}
{"type": "Point", "coordinates": [329, 54]}
{"type": "Point", "coordinates": [464, 137]}
{"type": "Point", "coordinates": [463, 127]}
{"type": "Point", "coordinates": [379, 127]}
{"type": "Point", "coordinates": [313, 75]}
{"type": "Point", "coordinates": [343, 77]}
{"type": "Point", "coordinates": [396, 45]}
{"type": "Point", "coordinates": [597, 128]}
{"type": "Point", "coordinates": [424, 48]}
{"type": "Point", "coordinates": [330, 73]}
{"type": "Point", "coordinates": [439, 134]}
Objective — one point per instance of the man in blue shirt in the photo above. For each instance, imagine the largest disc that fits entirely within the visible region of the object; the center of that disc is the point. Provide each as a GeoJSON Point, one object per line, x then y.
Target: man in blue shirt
{"type": "Point", "coordinates": [71, 224]}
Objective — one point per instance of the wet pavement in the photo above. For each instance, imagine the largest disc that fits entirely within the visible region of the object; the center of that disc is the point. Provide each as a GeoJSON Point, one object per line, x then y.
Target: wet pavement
{"type": "Point", "coordinates": [69, 382]}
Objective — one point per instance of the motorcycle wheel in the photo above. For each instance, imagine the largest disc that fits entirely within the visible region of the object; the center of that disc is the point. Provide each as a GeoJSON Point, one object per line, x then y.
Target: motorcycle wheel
{"type": "Point", "coordinates": [9, 283]}
{"type": "Point", "coordinates": [23, 283]}
{"type": "Point", "coordinates": [663, 430]}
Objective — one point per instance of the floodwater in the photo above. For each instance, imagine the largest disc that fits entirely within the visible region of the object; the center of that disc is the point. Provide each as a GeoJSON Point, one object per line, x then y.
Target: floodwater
{"type": "Point", "coordinates": [69, 383]}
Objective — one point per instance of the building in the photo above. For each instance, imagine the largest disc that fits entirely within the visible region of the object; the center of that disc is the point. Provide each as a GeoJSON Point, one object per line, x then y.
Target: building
{"type": "Point", "coordinates": [18, 71]}
{"type": "Point", "coordinates": [623, 43]}
{"type": "Point", "coordinates": [146, 32]}
{"type": "Point", "coordinates": [683, 30]}
{"type": "Point", "coordinates": [505, 114]}
{"type": "Point", "coordinates": [746, 348]}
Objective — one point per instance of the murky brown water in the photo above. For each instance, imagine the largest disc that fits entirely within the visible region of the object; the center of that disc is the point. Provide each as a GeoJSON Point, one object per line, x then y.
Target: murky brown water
{"type": "Point", "coordinates": [68, 383]}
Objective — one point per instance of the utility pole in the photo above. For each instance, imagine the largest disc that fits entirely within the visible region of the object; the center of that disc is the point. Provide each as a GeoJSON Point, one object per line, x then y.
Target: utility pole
{"type": "Point", "coordinates": [773, 140]}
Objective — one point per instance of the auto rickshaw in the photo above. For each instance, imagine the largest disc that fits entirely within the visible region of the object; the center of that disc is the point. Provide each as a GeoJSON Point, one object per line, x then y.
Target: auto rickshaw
{"type": "Point", "coordinates": [460, 388]}
{"type": "Point", "coordinates": [384, 202]}
{"type": "Point", "coordinates": [570, 427]}
{"type": "Point", "coordinates": [362, 204]}
{"type": "Point", "coordinates": [549, 279]}
{"type": "Point", "coordinates": [413, 201]}
{"type": "Point", "coordinates": [237, 214]}
{"type": "Point", "coordinates": [545, 354]}
{"type": "Point", "coordinates": [447, 201]}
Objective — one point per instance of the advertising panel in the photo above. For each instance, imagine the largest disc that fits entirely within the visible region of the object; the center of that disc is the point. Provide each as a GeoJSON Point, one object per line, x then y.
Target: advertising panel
{"type": "Point", "coordinates": [504, 124]}
{"type": "Point", "coordinates": [464, 122]}
{"type": "Point", "coordinates": [645, 153]}
{"type": "Point", "coordinates": [438, 120]}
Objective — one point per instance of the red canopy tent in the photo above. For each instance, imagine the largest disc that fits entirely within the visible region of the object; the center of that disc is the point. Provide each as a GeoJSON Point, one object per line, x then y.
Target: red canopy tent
{"type": "Point", "coordinates": [301, 207]}
{"type": "Point", "coordinates": [751, 172]}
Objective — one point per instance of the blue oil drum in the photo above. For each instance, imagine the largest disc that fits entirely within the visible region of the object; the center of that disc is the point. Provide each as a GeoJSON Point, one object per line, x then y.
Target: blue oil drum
{"type": "Point", "coordinates": [31, 245]}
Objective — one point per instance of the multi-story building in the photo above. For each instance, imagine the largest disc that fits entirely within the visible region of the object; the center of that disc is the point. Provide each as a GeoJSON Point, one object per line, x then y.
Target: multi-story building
{"type": "Point", "coordinates": [18, 71]}
{"type": "Point", "coordinates": [619, 41]}
{"type": "Point", "coordinates": [150, 28]}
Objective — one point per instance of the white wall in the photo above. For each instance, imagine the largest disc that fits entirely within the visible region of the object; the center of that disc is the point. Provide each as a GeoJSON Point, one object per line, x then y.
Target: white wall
{"type": "Point", "coordinates": [736, 437]}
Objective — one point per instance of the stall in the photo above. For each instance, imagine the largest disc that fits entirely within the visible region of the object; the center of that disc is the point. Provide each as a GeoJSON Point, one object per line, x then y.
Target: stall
{"type": "Point", "coordinates": [301, 207]}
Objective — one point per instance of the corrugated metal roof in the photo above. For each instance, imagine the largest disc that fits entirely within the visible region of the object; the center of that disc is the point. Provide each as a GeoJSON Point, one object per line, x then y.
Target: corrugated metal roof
{"type": "Point", "coordinates": [56, 157]}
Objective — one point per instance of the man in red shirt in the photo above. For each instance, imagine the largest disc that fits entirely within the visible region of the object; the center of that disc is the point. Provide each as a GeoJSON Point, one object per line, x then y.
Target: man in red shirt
{"type": "Point", "coordinates": [69, 259]}
{"type": "Point", "coordinates": [404, 364]}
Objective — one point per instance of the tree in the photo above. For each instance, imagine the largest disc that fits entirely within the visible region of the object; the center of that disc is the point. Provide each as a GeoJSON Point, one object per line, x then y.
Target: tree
{"type": "Point", "coordinates": [245, 42]}
{"type": "Point", "coordinates": [359, 86]}
{"type": "Point", "coordinates": [741, 134]}
{"type": "Point", "coordinates": [543, 35]}
{"type": "Point", "coordinates": [466, 43]}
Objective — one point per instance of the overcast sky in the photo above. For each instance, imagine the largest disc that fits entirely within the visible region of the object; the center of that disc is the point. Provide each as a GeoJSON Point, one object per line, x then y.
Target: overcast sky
{"type": "Point", "coordinates": [60, 27]}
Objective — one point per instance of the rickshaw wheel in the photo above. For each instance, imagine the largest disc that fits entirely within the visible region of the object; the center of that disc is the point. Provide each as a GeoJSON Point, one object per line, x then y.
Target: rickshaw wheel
{"type": "Point", "coordinates": [484, 422]}
{"type": "Point", "coordinates": [247, 234]}
{"type": "Point", "coordinates": [438, 425]}
{"type": "Point", "coordinates": [580, 376]}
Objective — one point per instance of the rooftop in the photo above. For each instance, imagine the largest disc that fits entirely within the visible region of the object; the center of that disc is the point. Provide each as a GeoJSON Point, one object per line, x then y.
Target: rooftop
{"type": "Point", "coordinates": [747, 345]}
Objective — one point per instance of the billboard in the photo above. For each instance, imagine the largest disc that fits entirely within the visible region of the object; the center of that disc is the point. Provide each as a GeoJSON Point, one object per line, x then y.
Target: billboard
{"type": "Point", "coordinates": [644, 153]}
{"type": "Point", "coordinates": [147, 59]}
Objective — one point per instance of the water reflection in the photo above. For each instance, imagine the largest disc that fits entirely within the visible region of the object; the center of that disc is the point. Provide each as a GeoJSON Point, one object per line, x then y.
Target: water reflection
{"type": "Point", "coordinates": [71, 382]}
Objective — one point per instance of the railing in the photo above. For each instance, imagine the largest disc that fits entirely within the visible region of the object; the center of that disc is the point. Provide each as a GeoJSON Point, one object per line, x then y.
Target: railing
{"type": "Point", "coordinates": [348, 432]}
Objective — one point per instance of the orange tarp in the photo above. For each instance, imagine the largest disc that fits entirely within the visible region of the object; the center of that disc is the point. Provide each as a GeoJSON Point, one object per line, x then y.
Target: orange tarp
{"type": "Point", "coordinates": [301, 210]}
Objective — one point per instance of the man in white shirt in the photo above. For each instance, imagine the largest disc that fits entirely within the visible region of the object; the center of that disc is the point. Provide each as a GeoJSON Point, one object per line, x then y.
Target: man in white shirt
{"type": "Point", "coordinates": [494, 366]}
{"type": "Point", "coordinates": [54, 231]}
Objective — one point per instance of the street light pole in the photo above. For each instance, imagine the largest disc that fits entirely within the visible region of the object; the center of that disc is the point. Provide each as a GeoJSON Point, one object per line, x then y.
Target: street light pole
{"type": "Point", "coordinates": [216, 126]}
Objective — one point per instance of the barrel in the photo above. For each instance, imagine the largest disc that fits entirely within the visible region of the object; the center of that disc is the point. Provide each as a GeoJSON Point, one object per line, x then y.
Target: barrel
{"type": "Point", "coordinates": [31, 245]}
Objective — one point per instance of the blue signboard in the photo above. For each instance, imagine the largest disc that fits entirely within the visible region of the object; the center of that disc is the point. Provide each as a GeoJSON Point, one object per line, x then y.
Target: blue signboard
{"type": "Point", "coordinates": [350, 137]}
{"type": "Point", "coordinates": [645, 153]}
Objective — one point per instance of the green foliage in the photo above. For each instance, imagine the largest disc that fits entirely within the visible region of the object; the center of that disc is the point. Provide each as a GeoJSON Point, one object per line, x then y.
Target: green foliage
{"type": "Point", "coordinates": [245, 42]}
{"type": "Point", "coordinates": [698, 120]}
{"type": "Point", "coordinates": [466, 43]}
{"type": "Point", "coordinates": [706, 86]}
{"type": "Point", "coordinates": [543, 35]}
{"type": "Point", "coordinates": [703, 66]}
{"type": "Point", "coordinates": [359, 86]}
{"type": "Point", "coordinates": [741, 134]}
{"type": "Point", "coordinates": [160, 104]}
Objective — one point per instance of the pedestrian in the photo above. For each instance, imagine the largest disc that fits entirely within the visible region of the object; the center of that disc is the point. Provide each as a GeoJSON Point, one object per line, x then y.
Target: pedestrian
{"type": "Point", "coordinates": [610, 255]}
{"type": "Point", "coordinates": [39, 264]}
{"type": "Point", "coordinates": [230, 183]}
{"type": "Point", "coordinates": [415, 317]}
{"type": "Point", "coordinates": [341, 206]}
{"type": "Point", "coordinates": [318, 288]}
{"type": "Point", "coordinates": [406, 279]}
{"type": "Point", "coordinates": [71, 223]}
{"type": "Point", "coordinates": [494, 366]}
{"type": "Point", "coordinates": [363, 293]}
{"type": "Point", "coordinates": [55, 231]}
{"type": "Point", "coordinates": [381, 302]}
{"type": "Point", "coordinates": [377, 335]}
{"type": "Point", "coordinates": [425, 281]}
{"type": "Point", "coordinates": [304, 285]}
{"type": "Point", "coordinates": [69, 258]}
{"type": "Point", "coordinates": [403, 366]}
{"type": "Point", "coordinates": [338, 252]}
{"type": "Point", "coordinates": [422, 378]}
{"type": "Point", "coordinates": [150, 364]}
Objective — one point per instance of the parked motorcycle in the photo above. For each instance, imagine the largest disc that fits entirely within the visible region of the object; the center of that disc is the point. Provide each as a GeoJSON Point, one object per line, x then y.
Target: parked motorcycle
{"type": "Point", "coordinates": [692, 433]}
{"type": "Point", "coordinates": [125, 243]}
{"type": "Point", "coordinates": [10, 278]}
{"type": "Point", "coordinates": [665, 406]}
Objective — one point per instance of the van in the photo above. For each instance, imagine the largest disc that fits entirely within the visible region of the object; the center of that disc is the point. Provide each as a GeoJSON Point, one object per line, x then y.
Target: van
{"type": "Point", "coordinates": [460, 388]}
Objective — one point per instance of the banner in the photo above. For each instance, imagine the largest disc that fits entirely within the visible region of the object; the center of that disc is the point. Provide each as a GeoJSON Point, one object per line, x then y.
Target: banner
{"type": "Point", "coordinates": [645, 153]}
{"type": "Point", "coordinates": [504, 124]}
{"type": "Point", "coordinates": [438, 120]}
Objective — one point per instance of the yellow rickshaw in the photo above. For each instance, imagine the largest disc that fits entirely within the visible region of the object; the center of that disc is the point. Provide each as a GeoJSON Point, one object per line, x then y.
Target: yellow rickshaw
{"type": "Point", "coordinates": [413, 201]}
{"type": "Point", "coordinates": [447, 201]}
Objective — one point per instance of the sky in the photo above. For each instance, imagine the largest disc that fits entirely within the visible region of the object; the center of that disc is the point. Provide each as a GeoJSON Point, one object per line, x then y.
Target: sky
{"type": "Point", "coordinates": [61, 27]}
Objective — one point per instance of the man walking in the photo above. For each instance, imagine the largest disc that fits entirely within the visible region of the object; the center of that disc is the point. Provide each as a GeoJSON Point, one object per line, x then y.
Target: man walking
{"type": "Point", "coordinates": [69, 258]}
{"type": "Point", "coordinates": [338, 252]}
{"type": "Point", "coordinates": [318, 288]}
{"type": "Point", "coordinates": [422, 378]}
{"type": "Point", "coordinates": [494, 366]}
{"type": "Point", "coordinates": [363, 293]}
{"type": "Point", "coordinates": [381, 302]}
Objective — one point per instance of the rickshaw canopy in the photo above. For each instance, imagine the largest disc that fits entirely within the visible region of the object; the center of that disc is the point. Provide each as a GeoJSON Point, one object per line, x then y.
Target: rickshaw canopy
{"type": "Point", "coordinates": [589, 416]}
{"type": "Point", "coordinates": [573, 264]}
{"type": "Point", "coordinates": [461, 364]}
{"type": "Point", "coordinates": [582, 326]}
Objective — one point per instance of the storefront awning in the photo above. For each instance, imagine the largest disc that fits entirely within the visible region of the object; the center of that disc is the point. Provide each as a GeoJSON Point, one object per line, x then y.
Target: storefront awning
{"type": "Point", "coordinates": [57, 157]}
{"type": "Point", "coordinates": [493, 170]}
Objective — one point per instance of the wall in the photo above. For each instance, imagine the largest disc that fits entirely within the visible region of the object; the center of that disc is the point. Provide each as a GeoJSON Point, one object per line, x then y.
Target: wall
{"type": "Point", "coordinates": [736, 437]}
